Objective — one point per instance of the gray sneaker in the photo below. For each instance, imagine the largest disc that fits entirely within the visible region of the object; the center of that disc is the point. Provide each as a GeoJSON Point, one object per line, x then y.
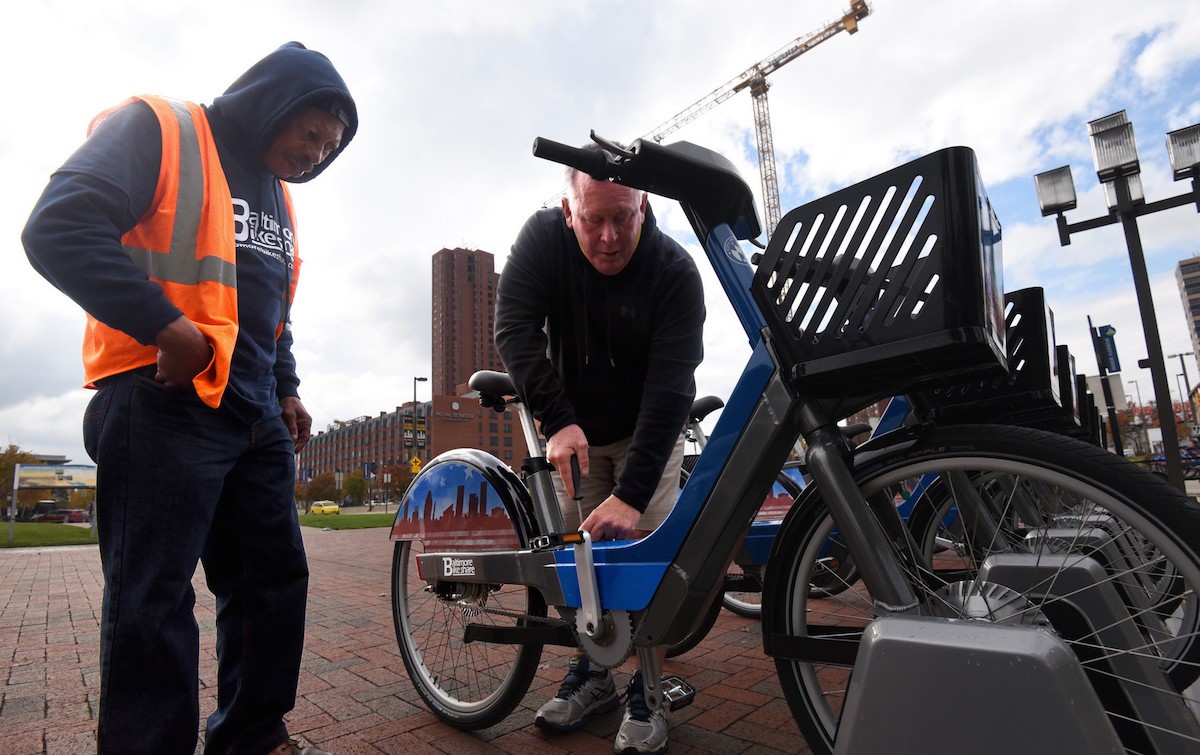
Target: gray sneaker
{"type": "Point", "coordinates": [642, 731]}
{"type": "Point", "coordinates": [584, 692]}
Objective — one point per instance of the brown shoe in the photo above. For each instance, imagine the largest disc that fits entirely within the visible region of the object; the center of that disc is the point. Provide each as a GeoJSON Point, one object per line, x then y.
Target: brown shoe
{"type": "Point", "coordinates": [293, 747]}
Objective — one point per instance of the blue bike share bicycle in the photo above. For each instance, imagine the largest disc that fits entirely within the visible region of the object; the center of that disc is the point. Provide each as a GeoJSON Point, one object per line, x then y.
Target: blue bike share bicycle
{"type": "Point", "coordinates": [1064, 620]}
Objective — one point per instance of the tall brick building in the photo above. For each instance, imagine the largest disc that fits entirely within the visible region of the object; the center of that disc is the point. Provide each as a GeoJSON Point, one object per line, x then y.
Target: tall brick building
{"type": "Point", "coordinates": [464, 308]}
{"type": "Point", "coordinates": [464, 302]}
{"type": "Point", "coordinates": [1187, 277]}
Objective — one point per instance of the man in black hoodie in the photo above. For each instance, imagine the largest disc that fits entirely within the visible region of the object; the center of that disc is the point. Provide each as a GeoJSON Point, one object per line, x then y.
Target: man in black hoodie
{"type": "Point", "coordinates": [171, 227]}
{"type": "Point", "coordinates": [599, 320]}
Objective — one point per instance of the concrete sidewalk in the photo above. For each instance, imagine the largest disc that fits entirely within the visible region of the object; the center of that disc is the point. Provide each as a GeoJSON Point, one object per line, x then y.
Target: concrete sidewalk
{"type": "Point", "coordinates": [355, 696]}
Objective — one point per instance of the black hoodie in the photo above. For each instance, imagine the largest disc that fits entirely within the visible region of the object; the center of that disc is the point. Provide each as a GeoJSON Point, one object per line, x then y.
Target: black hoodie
{"type": "Point", "coordinates": [618, 353]}
{"type": "Point", "coordinates": [73, 236]}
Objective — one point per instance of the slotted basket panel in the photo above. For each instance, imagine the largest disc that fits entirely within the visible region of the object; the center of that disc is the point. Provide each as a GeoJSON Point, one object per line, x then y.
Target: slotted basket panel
{"type": "Point", "coordinates": [890, 284]}
{"type": "Point", "coordinates": [1066, 383]}
{"type": "Point", "coordinates": [1031, 393]}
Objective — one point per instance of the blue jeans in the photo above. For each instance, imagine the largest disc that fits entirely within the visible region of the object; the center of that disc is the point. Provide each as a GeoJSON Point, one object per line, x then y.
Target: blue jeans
{"type": "Point", "coordinates": [179, 483]}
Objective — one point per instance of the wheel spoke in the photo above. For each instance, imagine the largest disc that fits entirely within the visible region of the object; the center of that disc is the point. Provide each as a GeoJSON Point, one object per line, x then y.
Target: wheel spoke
{"type": "Point", "coordinates": [1067, 517]}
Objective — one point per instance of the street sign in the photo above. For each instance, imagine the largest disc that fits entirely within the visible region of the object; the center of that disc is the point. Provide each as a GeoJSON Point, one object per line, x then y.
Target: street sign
{"type": "Point", "coordinates": [416, 464]}
{"type": "Point", "coordinates": [1107, 348]}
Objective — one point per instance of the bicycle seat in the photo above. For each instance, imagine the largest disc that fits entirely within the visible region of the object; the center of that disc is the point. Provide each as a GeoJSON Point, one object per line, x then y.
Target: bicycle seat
{"type": "Point", "coordinates": [704, 406]}
{"type": "Point", "coordinates": [492, 385]}
{"type": "Point", "coordinates": [858, 428]}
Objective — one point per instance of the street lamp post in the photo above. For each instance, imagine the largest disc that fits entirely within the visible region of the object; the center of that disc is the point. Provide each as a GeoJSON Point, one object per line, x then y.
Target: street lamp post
{"type": "Point", "coordinates": [1115, 154]}
{"type": "Point", "coordinates": [1136, 422]}
{"type": "Point", "coordinates": [1187, 386]}
{"type": "Point", "coordinates": [1137, 389]}
{"type": "Point", "coordinates": [1183, 412]}
{"type": "Point", "coordinates": [414, 413]}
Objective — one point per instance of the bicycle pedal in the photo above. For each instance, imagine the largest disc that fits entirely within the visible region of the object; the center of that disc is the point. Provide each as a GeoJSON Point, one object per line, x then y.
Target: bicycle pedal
{"type": "Point", "coordinates": [677, 693]}
{"type": "Point", "coordinates": [555, 540]}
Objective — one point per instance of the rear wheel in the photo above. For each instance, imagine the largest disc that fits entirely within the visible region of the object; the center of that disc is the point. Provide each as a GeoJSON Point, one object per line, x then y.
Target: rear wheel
{"type": "Point", "coordinates": [744, 578]}
{"type": "Point", "coordinates": [471, 685]}
{"type": "Point", "coordinates": [746, 600]}
{"type": "Point", "coordinates": [1039, 494]}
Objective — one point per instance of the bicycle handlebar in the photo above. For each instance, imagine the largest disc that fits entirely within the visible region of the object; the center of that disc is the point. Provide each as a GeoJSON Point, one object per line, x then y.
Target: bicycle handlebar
{"type": "Point", "coordinates": [705, 183]}
{"type": "Point", "coordinates": [593, 162]}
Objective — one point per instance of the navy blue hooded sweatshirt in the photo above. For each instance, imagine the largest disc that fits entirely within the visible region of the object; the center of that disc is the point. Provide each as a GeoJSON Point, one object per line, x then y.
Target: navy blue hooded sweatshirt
{"type": "Point", "coordinates": [73, 236]}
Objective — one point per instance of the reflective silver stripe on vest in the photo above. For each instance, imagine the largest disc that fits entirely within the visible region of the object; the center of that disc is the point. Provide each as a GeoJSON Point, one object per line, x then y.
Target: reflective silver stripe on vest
{"type": "Point", "coordinates": [180, 265]}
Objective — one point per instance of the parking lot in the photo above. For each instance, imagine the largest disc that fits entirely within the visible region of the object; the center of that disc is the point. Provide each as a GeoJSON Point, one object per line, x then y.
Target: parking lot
{"type": "Point", "coordinates": [355, 696]}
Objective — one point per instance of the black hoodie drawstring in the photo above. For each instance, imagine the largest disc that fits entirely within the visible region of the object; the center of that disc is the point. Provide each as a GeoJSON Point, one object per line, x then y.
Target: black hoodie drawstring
{"type": "Point", "coordinates": [608, 326]}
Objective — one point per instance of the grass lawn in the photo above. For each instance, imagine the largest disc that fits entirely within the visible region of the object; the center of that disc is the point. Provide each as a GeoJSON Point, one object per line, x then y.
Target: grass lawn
{"type": "Point", "coordinates": [42, 534]}
{"type": "Point", "coordinates": [39, 534]}
{"type": "Point", "coordinates": [347, 522]}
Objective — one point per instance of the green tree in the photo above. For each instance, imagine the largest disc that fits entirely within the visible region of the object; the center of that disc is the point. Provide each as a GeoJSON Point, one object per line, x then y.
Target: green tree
{"type": "Point", "coordinates": [354, 486]}
{"type": "Point", "coordinates": [401, 476]}
{"type": "Point", "coordinates": [323, 487]}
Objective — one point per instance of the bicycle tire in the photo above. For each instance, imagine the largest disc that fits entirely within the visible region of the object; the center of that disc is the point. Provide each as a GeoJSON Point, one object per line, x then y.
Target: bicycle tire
{"type": "Point", "coordinates": [743, 570]}
{"type": "Point", "coordinates": [468, 685]}
{"type": "Point", "coordinates": [1079, 479]}
{"type": "Point", "coordinates": [746, 603]}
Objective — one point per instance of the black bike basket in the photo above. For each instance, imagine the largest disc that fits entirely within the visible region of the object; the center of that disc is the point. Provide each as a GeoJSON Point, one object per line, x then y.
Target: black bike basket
{"type": "Point", "coordinates": [1032, 392]}
{"type": "Point", "coordinates": [890, 285]}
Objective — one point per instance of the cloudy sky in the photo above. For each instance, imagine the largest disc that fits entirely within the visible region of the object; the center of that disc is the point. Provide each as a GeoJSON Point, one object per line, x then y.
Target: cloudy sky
{"type": "Point", "coordinates": [451, 95]}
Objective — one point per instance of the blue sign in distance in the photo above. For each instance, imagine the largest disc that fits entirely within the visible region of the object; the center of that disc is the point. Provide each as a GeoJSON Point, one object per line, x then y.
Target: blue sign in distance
{"type": "Point", "coordinates": [1112, 363]}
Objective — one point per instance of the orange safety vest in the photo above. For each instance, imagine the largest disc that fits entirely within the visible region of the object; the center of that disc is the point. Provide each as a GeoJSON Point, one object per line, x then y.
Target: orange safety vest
{"type": "Point", "coordinates": [185, 243]}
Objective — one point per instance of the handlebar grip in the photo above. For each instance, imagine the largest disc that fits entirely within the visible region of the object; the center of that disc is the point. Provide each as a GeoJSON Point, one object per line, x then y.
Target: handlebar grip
{"type": "Point", "coordinates": [575, 474]}
{"type": "Point", "coordinates": [593, 162]}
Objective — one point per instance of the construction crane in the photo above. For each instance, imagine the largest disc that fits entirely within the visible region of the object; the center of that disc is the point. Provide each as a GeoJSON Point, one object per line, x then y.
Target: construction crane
{"type": "Point", "coordinates": [754, 78]}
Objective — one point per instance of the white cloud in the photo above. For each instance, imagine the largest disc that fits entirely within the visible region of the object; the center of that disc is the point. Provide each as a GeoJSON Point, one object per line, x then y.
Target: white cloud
{"type": "Point", "coordinates": [452, 94]}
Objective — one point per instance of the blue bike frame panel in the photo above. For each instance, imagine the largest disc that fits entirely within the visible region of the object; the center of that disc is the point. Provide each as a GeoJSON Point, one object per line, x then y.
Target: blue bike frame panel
{"type": "Point", "coordinates": [733, 270]}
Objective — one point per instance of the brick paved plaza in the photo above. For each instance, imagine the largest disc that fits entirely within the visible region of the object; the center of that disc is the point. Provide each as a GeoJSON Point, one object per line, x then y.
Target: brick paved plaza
{"type": "Point", "coordinates": [355, 697]}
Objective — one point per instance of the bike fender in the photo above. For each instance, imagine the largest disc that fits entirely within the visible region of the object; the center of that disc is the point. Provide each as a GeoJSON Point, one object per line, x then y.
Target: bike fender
{"type": "Point", "coordinates": [466, 500]}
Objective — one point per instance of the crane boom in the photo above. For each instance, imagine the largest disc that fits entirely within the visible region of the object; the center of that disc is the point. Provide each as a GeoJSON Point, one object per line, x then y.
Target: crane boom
{"type": "Point", "coordinates": [754, 78]}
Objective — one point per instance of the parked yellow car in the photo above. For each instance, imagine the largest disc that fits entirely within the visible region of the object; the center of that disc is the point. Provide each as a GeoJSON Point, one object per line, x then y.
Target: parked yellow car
{"type": "Point", "coordinates": [326, 507]}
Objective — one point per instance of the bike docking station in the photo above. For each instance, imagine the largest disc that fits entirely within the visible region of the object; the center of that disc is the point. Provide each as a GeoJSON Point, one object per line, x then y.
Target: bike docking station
{"type": "Point", "coordinates": [1041, 598]}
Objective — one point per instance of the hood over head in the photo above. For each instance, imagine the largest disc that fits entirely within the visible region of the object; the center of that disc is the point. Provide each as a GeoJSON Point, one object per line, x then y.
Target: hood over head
{"type": "Point", "coordinates": [274, 89]}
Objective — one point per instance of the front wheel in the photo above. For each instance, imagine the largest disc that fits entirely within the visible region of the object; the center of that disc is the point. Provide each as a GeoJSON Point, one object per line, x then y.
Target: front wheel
{"type": "Point", "coordinates": [471, 685]}
{"type": "Point", "coordinates": [1017, 491]}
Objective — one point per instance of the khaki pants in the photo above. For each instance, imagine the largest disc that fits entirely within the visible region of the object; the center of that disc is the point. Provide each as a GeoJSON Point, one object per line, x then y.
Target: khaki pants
{"type": "Point", "coordinates": [605, 466]}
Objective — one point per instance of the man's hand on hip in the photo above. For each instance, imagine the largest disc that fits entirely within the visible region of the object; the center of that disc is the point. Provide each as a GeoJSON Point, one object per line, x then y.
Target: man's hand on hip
{"type": "Point", "coordinates": [297, 420]}
{"type": "Point", "coordinates": [183, 353]}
